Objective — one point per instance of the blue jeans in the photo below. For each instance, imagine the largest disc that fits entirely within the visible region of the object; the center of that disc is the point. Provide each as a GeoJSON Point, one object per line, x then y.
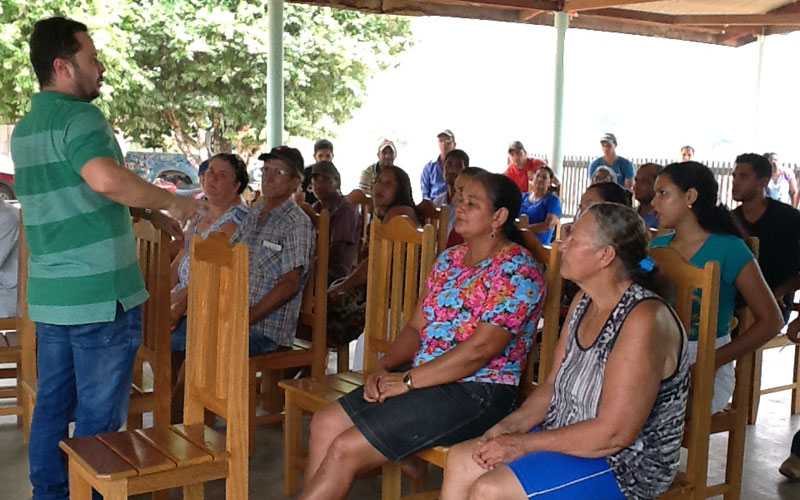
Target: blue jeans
{"type": "Point", "coordinates": [258, 343]}
{"type": "Point", "coordinates": [84, 370]}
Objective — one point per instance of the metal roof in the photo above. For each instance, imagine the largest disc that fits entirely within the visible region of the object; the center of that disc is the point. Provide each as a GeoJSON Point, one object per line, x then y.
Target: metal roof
{"type": "Point", "coordinates": [723, 22]}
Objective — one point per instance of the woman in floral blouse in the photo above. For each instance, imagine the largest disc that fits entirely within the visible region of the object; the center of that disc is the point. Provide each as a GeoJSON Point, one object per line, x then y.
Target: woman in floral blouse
{"type": "Point", "coordinates": [453, 369]}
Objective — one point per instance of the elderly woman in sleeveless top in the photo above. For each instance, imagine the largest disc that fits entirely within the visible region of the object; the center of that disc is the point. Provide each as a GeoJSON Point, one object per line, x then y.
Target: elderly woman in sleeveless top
{"type": "Point", "coordinates": [607, 422]}
{"type": "Point", "coordinates": [467, 343]}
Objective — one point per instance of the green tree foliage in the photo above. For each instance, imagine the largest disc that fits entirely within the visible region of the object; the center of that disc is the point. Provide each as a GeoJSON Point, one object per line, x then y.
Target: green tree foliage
{"type": "Point", "coordinates": [178, 68]}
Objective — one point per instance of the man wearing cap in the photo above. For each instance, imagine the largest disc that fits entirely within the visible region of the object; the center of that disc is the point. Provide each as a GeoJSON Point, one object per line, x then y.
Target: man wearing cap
{"type": "Point", "coordinates": [280, 239]}
{"type": "Point", "coordinates": [323, 151]}
{"type": "Point", "coordinates": [386, 156]}
{"type": "Point", "coordinates": [622, 167]}
{"type": "Point", "coordinates": [432, 179]}
{"type": "Point", "coordinates": [520, 167]}
{"type": "Point", "coordinates": [455, 161]}
{"type": "Point", "coordinates": [345, 223]}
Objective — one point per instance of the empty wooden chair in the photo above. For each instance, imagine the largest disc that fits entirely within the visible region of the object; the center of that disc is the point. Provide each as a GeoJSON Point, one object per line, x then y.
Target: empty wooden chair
{"type": "Point", "coordinates": [686, 278]}
{"type": "Point", "coordinates": [138, 461]}
{"type": "Point", "coordinates": [304, 353]}
{"type": "Point", "coordinates": [151, 390]}
{"type": "Point", "coordinates": [10, 354]}
{"type": "Point", "coordinates": [26, 330]}
{"type": "Point", "coordinates": [400, 257]}
{"type": "Point", "coordinates": [550, 260]}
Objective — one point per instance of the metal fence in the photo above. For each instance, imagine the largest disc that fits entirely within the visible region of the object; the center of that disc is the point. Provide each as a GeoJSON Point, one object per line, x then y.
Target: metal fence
{"type": "Point", "coordinates": [575, 180]}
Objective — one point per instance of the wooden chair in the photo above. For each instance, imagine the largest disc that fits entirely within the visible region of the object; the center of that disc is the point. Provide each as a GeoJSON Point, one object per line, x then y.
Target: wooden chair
{"type": "Point", "coordinates": [26, 330]}
{"type": "Point", "coordinates": [138, 461]}
{"type": "Point", "coordinates": [10, 354]}
{"type": "Point", "coordinates": [756, 391]}
{"type": "Point", "coordinates": [438, 217]}
{"type": "Point", "coordinates": [550, 260]}
{"type": "Point", "coordinates": [400, 257]}
{"type": "Point", "coordinates": [686, 278]}
{"type": "Point", "coordinates": [152, 393]}
{"type": "Point", "coordinates": [365, 208]}
{"type": "Point", "coordinates": [313, 317]}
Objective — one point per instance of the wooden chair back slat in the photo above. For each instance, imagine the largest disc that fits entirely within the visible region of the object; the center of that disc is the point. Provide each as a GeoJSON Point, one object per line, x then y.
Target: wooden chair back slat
{"type": "Point", "coordinates": [686, 279]}
{"type": "Point", "coordinates": [365, 208]}
{"type": "Point", "coordinates": [314, 307]}
{"type": "Point", "coordinates": [400, 257]}
{"type": "Point", "coordinates": [152, 246]}
{"type": "Point", "coordinates": [438, 217]}
{"type": "Point", "coordinates": [217, 320]}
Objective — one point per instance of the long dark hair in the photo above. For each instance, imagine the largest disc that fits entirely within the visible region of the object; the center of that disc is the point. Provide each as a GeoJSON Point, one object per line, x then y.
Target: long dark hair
{"type": "Point", "coordinates": [503, 193]}
{"type": "Point", "coordinates": [622, 228]}
{"type": "Point", "coordinates": [402, 193]}
{"type": "Point", "coordinates": [713, 217]}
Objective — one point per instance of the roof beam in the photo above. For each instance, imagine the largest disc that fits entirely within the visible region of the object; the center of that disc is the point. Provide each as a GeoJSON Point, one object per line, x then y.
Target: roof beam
{"type": "Point", "coordinates": [578, 5]}
{"type": "Point", "coordinates": [739, 20]}
{"type": "Point", "coordinates": [503, 4]}
{"type": "Point", "coordinates": [526, 15]}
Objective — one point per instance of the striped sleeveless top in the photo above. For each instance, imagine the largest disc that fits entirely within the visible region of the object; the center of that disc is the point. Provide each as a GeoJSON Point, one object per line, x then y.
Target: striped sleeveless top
{"type": "Point", "coordinates": [646, 467]}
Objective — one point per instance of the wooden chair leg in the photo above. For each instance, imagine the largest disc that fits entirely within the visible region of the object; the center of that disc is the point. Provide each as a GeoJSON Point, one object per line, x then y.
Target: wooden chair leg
{"type": "Point", "coordinates": [755, 389]}
{"type": "Point", "coordinates": [292, 424]}
{"type": "Point", "coordinates": [391, 478]}
{"type": "Point", "coordinates": [27, 416]}
{"type": "Point", "coordinates": [251, 411]}
{"type": "Point", "coordinates": [734, 463]}
{"type": "Point", "coordinates": [343, 358]}
{"type": "Point", "coordinates": [796, 381]}
{"type": "Point", "coordinates": [79, 488]}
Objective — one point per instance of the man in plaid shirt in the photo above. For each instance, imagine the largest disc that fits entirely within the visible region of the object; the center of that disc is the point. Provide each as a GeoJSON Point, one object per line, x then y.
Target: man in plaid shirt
{"type": "Point", "coordinates": [280, 238]}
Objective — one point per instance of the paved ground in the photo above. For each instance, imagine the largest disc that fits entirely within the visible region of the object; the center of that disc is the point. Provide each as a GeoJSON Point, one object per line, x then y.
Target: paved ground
{"type": "Point", "coordinates": [767, 446]}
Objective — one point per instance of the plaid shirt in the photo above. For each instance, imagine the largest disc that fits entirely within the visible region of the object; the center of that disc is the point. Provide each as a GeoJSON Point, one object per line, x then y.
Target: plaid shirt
{"type": "Point", "coordinates": [278, 243]}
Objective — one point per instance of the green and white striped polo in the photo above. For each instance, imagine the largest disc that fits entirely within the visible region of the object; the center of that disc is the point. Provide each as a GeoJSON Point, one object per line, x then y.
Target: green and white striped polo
{"type": "Point", "coordinates": [82, 252]}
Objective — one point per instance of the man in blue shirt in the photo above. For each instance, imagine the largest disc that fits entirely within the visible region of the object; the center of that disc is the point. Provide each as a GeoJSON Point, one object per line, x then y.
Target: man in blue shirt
{"type": "Point", "coordinates": [621, 166]}
{"type": "Point", "coordinates": [432, 180]}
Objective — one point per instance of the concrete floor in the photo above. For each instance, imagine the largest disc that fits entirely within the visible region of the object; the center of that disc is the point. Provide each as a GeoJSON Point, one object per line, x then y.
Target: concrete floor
{"type": "Point", "coordinates": [767, 446]}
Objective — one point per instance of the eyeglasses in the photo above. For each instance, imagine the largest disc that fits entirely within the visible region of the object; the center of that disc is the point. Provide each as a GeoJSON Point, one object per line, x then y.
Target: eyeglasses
{"type": "Point", "coordinates": [276, 171]}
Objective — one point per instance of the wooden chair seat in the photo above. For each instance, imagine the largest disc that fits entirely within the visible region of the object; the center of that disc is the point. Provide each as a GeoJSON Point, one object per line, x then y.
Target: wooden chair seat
{"type": "Point", "coordinates": [10, 354]}
{"type": "Point", "coordinates": [137, 461]}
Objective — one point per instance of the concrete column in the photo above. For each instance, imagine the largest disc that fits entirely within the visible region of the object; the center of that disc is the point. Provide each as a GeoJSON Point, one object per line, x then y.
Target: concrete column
{"type": "Point", "coordinates": [557, 159]}
{"type": "Point", "coordinates": [275, 75]}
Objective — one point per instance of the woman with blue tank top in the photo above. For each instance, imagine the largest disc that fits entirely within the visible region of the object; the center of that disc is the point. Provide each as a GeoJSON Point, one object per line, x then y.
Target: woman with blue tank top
{"type": "Point", "coordinates": [686, 201]}
{"type": "Point", "coordinates": [608, 420]}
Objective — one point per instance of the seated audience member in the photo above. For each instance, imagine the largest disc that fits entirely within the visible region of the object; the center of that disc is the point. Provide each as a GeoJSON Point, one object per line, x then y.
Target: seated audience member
{"type": "Point", "coordinates": [621, 167]}
{"type": "Point", "coordinates": [467, 344]}
{"type": "Point", "coordinates": [455, 161]}
{"type": "Point", "coordinates": [603, 174]}
{"type": "Point", "coordinates": [598, 193]}
{"type": "Point", "coordinates": [775, 224]}
{"type": "Point", "coordinates": [608, 420]}
{"type": "Point", "coordinates": [323, 151]}
{"type": "Point", "coordinates": [782, 184]}
{"type": "Point", "coordinates": [386, 156]}
{"type": "Point", "coordinates": [520, 167]}
{"type": "Point", "coordinates": [432, 178]}
{"type": "Point", "coordinates": [462, 180]}
{"type": "Point", "coordinates": [224, 179]}
{"type": "Point", "coordinates": [9, 237]}
{"type": "Point", "coordinates": [345, 222]}
{"type": "Point", "coordinates": [790, 468]}
{"type": "Point", "coordinates": [643, 191]}
{"type": "Point", "coordinates": [687, 153]}
{"type": "Point", "coordinates": [542, 207]}
{"type": "Point", "coordinates": [686, 197]}
{"type": "Point", "coordinates": [347, 297]}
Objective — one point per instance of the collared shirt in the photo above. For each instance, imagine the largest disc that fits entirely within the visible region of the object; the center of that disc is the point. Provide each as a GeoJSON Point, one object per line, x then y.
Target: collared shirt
{"type": "Point", "coordinates": [367, 179]}
{"type": "Point", "coordinates": [82, 252]}
{"type": "Point", "coordinates": [279, 242]}
{"type": "Point", "coordinates": [9, 237]}
{"type": "Point", "coordinates": [442, 200]}
{"type": "Point", "coordinates": [520, 176]}
{"type": "Point", "coordinates": [432, 180]}
{"type": "Point", "coordinates": [345, 230]}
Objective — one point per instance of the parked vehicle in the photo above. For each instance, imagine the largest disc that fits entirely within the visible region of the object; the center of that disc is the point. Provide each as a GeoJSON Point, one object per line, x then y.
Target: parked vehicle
{"type": "Point", "coordinates": [170, 171]}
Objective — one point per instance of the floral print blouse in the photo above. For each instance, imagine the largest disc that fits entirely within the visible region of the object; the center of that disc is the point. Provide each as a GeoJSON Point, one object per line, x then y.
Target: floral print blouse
{"type": "Point", "coordinates": [505, 290]}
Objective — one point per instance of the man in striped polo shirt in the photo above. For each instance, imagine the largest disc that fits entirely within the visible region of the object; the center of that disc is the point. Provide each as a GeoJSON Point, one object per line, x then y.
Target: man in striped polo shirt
{"type": "Point", "coordinates": [84, 284]}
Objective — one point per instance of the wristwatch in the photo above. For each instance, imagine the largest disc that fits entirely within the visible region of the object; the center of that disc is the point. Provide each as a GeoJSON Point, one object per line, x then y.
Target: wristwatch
{"type": "Point", "coordinates": [407, 380]}
{"type": "Point", "coordinates": [147, 213]}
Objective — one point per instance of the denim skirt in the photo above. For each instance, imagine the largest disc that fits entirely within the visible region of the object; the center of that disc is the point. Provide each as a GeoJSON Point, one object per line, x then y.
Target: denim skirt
{"type": "Point", "coordinates": [441, 415]}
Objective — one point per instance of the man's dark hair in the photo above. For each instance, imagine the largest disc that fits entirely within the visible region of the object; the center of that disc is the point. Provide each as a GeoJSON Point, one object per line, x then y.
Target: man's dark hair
{"type": "Point", "coordinates": [323, 144]}
{"type": "Point", "coordinates": [759, 163]}
{"type": "Point", "coordinates": [460, 154]}
{"type": "Point", "coordinates": [52, 39]}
